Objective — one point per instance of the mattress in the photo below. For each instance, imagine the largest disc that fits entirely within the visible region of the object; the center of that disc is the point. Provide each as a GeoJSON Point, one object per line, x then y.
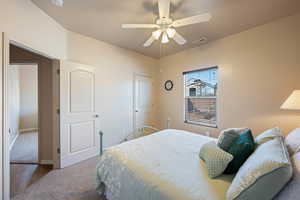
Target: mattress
{"type": "Point", "coordinates": [161, 166]}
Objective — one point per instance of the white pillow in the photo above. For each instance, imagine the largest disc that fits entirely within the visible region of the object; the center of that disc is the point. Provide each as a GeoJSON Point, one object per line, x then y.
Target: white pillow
{"type": "Point", "coordinates": [292, 141]}
{"type": "Point", "coordinates": [263, 174]}
{"type": "Point", "coordinates": [268, 135]}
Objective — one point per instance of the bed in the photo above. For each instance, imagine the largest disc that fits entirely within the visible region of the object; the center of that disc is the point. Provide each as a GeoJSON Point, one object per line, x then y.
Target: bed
{"type": "Point", "coordinates": [164, 166]}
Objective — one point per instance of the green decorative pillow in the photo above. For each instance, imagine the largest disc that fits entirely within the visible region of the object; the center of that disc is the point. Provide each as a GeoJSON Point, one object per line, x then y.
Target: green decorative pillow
{"type": "Point", "coordinates": [241, 149]}
{"type": "Point", "coordinates": [228, 136]}
{"type": "Point", "coordinates": [216, 160]}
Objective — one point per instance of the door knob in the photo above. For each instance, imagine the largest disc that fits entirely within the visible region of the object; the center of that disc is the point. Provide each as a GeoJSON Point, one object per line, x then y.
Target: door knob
{"type": "Point", "coordinates": [96, 116]}
{"type": "Point", "coordinates": [136, 111]}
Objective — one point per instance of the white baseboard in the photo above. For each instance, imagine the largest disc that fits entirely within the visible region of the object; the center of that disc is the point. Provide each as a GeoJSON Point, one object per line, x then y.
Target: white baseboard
{"type": "Point", "coordinates": [46, 162]}
{"type": "Point", "coordinates": [13, 142]}
{"type": "Point", "coordinates": [28, 130]}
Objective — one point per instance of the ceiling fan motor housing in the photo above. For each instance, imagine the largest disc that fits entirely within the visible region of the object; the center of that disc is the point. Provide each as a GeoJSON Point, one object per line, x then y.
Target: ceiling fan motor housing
{"type": "Point", "coordinates": [164, 22]}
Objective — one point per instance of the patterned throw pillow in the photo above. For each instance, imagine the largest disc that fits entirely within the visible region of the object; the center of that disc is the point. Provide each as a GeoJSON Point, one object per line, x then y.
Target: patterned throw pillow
{"type": "Point", "coordinates": [228, 136]}
{"type": "Point", "coordinates": [216, 160]}
{"type": "Point", "coordinates": [241, 149]}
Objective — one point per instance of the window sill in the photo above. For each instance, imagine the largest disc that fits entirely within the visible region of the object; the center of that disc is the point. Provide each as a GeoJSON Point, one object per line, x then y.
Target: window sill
{"type": "Point", "coordinates": [200, 97]}
{"type": "Point", "coordinates": [201, 124]}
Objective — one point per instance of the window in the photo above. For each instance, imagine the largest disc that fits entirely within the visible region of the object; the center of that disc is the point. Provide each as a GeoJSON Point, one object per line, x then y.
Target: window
{"type": "Point", "coordinates": [201, 96]}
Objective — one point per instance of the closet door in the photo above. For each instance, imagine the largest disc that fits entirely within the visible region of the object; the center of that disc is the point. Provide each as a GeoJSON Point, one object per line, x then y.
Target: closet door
{"type": "Point", "coordinates": [143, 103]}
{"type": "Point", "coordinates": [79, 128]}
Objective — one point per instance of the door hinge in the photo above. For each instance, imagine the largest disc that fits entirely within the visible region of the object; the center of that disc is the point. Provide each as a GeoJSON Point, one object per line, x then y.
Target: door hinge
{"type": "Point", "coordinates": [58, 150]}
{"type": "Point", "coordinates": [58, 111]}
{"type": "Point", "coordinates": [58, 71]}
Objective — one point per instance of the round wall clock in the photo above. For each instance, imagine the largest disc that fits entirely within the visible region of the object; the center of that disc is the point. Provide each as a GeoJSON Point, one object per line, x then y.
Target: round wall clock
{"type": "Point", "coordinates": [168, 85]}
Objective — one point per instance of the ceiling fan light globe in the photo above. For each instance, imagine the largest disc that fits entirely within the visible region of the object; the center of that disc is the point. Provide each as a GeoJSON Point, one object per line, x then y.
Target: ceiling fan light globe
{"type": "Point", "coordinates": [59, 3]}
{"type": "Point", "coordinates": [156, 34]}
{"type": "Point", "coordinates": [165, 38]}
{"type": "Point", "coordinates": [171, 32]}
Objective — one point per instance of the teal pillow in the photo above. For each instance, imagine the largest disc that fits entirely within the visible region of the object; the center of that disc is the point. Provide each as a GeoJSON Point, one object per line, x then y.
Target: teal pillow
{"type": "Point", "coordinates": [228, 136]}
{"type": "Point", "coordinates": [241, 149]}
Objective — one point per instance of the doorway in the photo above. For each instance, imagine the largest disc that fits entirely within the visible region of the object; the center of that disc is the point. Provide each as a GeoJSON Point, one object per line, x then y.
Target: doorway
{"type": "Point", "coordinates": [143, 103]}
{"type": "Point", "coordinates": [32, 120]}
{"type": "Point", "coordinates": [53, 151]}
{"type": "Point", "coordinates": [23, 120]}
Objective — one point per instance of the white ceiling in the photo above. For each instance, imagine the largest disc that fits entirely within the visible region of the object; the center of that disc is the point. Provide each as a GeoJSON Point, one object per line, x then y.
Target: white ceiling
{"type": "Point", "coordinates": [102, 19]}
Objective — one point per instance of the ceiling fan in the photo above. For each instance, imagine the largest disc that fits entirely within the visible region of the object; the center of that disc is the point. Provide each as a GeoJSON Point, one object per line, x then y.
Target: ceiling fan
{"type": "Point", "coordinates": [164, 25]}
{"type": "Point", "coordinates": [59, 3]}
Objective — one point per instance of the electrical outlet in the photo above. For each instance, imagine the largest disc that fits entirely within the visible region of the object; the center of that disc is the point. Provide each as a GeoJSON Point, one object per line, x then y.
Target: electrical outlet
{"type": "Point", "coordinates": [168, 123]}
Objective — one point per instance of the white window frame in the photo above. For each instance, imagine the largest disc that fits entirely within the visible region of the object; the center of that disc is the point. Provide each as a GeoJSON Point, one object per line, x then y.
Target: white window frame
{"type": "Point", "coordinates": [184, 99]}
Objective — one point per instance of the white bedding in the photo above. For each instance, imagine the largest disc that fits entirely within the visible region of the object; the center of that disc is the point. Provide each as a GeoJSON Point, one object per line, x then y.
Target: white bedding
{"type": "Point", "coordinates": [161, 166]}
{"type": "Point", "coordinates": [292, 190]}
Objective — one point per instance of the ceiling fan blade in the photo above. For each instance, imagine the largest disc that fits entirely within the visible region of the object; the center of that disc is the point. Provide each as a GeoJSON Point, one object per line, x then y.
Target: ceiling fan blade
{"type": "Point", "coordinates": [179, 39]}
{"type": "Point", "coordinates": [192, 20]}
{"type": "Point", "coordinates": [149, 41]}
{"type": "Point", "coordinates": [164, 8]}
{"type": "Point", "coordinates": [140, 26]}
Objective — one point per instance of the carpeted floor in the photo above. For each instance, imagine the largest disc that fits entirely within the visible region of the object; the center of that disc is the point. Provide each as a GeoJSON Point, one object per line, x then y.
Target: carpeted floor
{"type": "Point", "coordinates": [24, 175]}
{"type": "Point", "coordinates": [73, 183]}
{"type": "Point", "coordinates": [25, 149]}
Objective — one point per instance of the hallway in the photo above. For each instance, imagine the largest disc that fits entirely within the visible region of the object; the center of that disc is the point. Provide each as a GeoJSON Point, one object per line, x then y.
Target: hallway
{"type": "Point", "coordinates": [25, 148]}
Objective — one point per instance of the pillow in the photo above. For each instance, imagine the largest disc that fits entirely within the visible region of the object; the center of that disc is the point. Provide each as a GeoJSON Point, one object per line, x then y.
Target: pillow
{"type": "Point", "coordinates": [216, 160]}
{"type": "Point", "coordinates": [268, 135]}
{"type": "Point", "coordinates": [264, 174]}
{"type": "Point", "coordinates": [228, 136]}
{"type": "Point", "coordinates": [292, 141]}
{"type": "Point", "coordinates": [241, 149]}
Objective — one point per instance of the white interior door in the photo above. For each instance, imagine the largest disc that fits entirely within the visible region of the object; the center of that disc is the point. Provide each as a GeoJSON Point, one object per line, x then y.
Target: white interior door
{"type": "Point", "coordinates": [79, 128]}
{"type": "Point", "coordinates": [143, 106]}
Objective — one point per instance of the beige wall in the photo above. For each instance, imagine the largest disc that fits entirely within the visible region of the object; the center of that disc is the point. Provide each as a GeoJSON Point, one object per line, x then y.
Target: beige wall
{"type": "Point", "coordinates": [25, 23]}
{"type": "Point", "coordinates": [22, 94]}
{"type": "Point", "coordinates": [258, 69]}
{"type": "Point", "coordinates": [28, 96]}
{"type": "Point", "coordinates": [115, 68]}
{"type": "Point", "coordinates": [14, 102]}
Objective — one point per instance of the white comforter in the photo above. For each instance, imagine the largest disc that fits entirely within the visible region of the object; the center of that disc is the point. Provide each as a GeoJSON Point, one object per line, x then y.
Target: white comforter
{"type": "Point", "coordinates": [162, 166]}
